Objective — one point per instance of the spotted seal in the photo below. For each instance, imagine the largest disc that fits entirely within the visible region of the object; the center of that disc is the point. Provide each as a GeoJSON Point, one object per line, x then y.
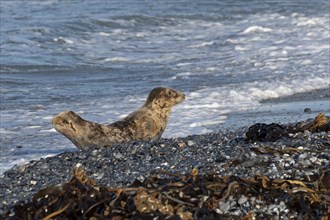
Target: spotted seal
{"type": "Point", "coordinates": [145, 124]}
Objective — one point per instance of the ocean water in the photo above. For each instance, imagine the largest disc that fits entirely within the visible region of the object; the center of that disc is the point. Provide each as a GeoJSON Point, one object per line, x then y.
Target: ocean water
{"type": "Point", "coordinates": [101, 58]}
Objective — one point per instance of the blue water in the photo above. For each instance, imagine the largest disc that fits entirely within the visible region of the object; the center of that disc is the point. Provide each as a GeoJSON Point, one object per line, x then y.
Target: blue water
{"type": "Point", "coordinates": [101, 58]}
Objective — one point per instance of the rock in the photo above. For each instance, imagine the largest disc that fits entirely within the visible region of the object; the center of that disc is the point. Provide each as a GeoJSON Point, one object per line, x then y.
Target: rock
{"type": "Point", "coordinates": [224, 207]}
{"type": "Point", "coordinates": [303, 156]}
{"type": "Point", "coordinates": [308, 110]}
{"type": "Point", "coordinates": [118, 156]}
{"type": "Point", "coordinates": [266, 132]}
{"type": "Point", "coordinates": [33, 182]}
{"type": "Point", "coordinates": [242, 200]}
{"type": "Point", "coordinates": [190, 143]}
{"type": "Point", "coordinates": [273, 132]}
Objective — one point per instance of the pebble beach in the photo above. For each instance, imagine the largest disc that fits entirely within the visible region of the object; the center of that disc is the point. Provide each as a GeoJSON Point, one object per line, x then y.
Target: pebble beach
{"type": "Point", "coordinates": [301, 156]}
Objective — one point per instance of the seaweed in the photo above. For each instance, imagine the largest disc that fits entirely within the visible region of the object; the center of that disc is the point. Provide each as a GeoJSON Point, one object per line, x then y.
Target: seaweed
{"type": "Point", "coordinates": [166, 195]}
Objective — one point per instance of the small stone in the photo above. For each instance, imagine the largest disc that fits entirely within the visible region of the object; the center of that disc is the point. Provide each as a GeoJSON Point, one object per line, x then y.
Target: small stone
{"type": "Point", "coordinates": [286, 155]}
{"type": "Point", "coordinates": [99, 176]}
{"type": "Point", "coordinates": [21, 168]}
{"type": "Point", "coordinates": [307, 163]}
{"type": "Point", "coordinates": [289, 160]}
{"type": "Point", "coordinates": [313, 159]}
{"type": "Point", "coordinates": [303, 156]}
{"type": "Point", "coordinates": [33, 182]}
{"type": "Point", "coordinates": [164, 164]}
{"type": "Point", "coordinates": [248, 163]}
{"type": "Point", "coordinates": [282, 205]}
{"type": "Point", "coordinates": [224, 207]}
{"type": "Point", "coordinates": [190, 143]}
{"type": "Point", "coordinates": [118, 156]}
{"type": "Point", "coordinates": [134, 151]}
{"type": "Point", "coordinates": [233, 203]}
{"type": "Point", "coordinates": [242, 200]}
{"type": "Point", "coordinates": [286, 165]}
{"type": "Point", "coordinates": [181, 144]}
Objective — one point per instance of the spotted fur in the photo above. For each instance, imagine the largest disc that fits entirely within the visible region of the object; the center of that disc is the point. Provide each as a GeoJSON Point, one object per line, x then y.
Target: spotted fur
{"type": "Point", "coordinates": [145, 124]}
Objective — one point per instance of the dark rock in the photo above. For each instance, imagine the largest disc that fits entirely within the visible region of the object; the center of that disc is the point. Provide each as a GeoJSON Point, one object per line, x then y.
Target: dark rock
{"type": "Point", "coordinates": [273, 132]}
{"type": "Point", "coordinates": [266, 132]}
{"type": "Point", "coordinates": [308, 110]}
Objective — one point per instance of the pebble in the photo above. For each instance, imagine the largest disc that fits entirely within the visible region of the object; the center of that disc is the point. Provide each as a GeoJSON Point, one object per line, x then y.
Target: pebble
{"type": "Point", "coordinates": [313, 159]}
{"type": "Point", "coordinates": [242, 200]}
{"type": "Point", "coordinates": [21, 168]}
{"type": "Point", "coordinates": [224, 207]}
{"type": "Point", "coordinates": [33, 182]}
{"type": "Point", "coordinates": [303, 156]}
{"type": "Point", "coordinates": [190, 143]}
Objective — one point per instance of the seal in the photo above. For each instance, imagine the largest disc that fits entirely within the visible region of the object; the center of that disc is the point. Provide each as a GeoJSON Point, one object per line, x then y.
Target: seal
{"type": "Point", "coordinates": [145, 124]}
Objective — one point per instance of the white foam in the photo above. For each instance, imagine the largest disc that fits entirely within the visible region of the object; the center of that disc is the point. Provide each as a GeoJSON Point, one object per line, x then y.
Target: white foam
{"type": "Point", "coordinates": [52, 130]}
{"type": "Point", "coordinates": [6, 131]}
{"type": "Point", "coordinates": [104, 34]}
{"type": "Point", "coordinates": [63, 40]}
{"type": "Point", "coordinates": [208, 105]}
{"type": "Point", "coordinates": [12, 162]}
{"type": "Point", "coordinates": [306, 62]}
{"type": "Point", "coordinates": [212, 69]}
{"type": "Point", "coordinates": [218, 120]}
{"type": "Point", "coordinates": [48, 117]}
{"type": "Point", "coordinates": [308, 22]}
{"type": "Point", "coordinates": [184, 74]}
{"type": "Point", "coordinates": [241, 48]}
{"type": "Point", "coordinates": [116, 59]}
{"type": "Point", "coordinates": [257, 29]}
{"type": "Point", "coordinates": [183, 64]}
{"type": "Point", "coordinates": [33, 127]}
{"type": "Point", "coordinates": [205, 108]}
{"type": "Point", "coordinates": [203, 44]}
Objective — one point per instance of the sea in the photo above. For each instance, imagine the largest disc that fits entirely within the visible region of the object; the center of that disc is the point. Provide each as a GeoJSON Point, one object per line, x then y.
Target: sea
{"type": "Point", "coordinates": [101, 58]}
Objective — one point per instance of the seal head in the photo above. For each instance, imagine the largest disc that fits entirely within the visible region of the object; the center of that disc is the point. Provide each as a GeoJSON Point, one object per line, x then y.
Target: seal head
{"type": "Point", "coordinates": [161, 97]}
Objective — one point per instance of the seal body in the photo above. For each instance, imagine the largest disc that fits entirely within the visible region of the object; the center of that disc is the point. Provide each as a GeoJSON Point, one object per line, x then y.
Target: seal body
{"type": "Point", "coordinates": [145, 124]}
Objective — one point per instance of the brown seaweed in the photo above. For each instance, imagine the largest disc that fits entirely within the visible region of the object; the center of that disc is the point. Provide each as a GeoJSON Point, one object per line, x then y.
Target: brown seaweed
{"type": "Point", "coordinates": [165, 195]}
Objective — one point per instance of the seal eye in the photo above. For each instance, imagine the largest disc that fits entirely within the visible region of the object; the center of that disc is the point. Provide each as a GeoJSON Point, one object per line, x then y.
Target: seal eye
{"type": "Point", "coordinates": [169, 93]}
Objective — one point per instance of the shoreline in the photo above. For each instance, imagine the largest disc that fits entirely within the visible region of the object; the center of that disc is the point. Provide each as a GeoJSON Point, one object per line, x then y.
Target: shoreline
{"type": "Point", "coordinates": [224, 152]}
{"type": "Point", "coordinates": [316, 94]}
{"type": "Point", "coordinates": [283, 110]}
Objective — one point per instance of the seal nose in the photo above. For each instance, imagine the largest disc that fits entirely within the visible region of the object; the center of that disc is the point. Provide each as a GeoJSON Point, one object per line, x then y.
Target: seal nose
{"type": "Point", "coordinates": [53, 121]}
{"type": "Point", "coordinates": [182, 95]}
